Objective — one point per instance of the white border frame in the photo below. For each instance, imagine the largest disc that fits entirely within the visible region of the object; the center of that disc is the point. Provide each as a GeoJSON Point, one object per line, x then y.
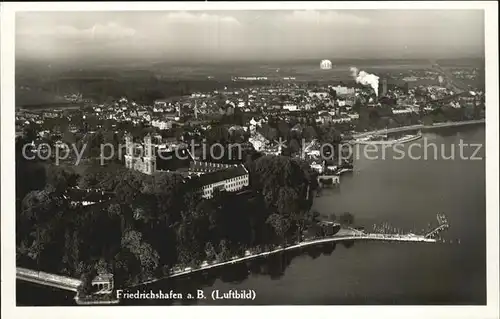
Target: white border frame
{"type": "Point", "coordinates": [9, 309]}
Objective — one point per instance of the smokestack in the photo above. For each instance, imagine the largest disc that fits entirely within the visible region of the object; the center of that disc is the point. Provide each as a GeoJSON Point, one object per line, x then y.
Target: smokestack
{"type": "Point", "coordinates": [384, 87]}
{"type": "Point", "coordinates": [365, 78]}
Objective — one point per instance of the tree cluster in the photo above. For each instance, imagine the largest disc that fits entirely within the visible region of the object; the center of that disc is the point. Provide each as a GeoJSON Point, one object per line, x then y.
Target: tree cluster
{"type": "Point", "coordinates": [156, 223]}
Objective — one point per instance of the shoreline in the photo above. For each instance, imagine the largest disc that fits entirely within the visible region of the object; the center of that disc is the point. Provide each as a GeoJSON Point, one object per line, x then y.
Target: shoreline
{"type": "Point", "coordinates": [349, 237]}
{"type": "Point", "coordinates": [419, 127]}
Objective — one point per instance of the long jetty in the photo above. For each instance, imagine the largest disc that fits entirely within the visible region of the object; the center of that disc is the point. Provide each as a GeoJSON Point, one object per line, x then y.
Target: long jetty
{"type": "Point", "coordinates": [347, 235]}
{"type": "Point", "coordinates": [67, 283]}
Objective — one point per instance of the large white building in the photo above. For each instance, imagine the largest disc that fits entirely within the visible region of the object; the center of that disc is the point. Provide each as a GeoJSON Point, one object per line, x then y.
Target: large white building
{"type": "Point", "coordinates": [290, 107]}
{"type": "Point", "coordinates": [161, 104]}
{"type": "Point", "coordinates": [343, 119]}
{"type": "Point", "coordinates": [319, 95]}
{"type": "Point", "coordinates": [343, 90]}
{"type": "Point", "coordinates": [230, 179]}
{"type": "Point", "coordinates": [402, 111]}
{"type": "Point", "coordinates": [162, 125]}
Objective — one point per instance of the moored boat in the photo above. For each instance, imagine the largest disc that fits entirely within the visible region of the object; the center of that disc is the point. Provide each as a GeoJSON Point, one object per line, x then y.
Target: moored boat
{"type": "Point", "coordinates": [382, 139]}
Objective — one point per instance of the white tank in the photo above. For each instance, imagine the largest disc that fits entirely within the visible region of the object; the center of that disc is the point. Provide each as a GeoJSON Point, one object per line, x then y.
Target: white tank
{"type": "Point", "coordinates": [326, 65]}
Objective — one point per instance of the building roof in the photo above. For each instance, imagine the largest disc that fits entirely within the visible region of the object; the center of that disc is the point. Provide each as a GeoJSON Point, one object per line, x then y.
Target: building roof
{"type": "Point", "coordinates": [103, 278]}
{"type": "Point", "coordinates": [171, 160]}
{"type": "Point", "coordinates": [208, 167]}
{"type": "Point", "coordinates": [222, 175]}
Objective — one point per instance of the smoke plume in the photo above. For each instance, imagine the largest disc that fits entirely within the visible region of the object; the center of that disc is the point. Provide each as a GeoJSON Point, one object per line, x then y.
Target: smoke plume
{"type": "Point", "coordinates": [365, 78]}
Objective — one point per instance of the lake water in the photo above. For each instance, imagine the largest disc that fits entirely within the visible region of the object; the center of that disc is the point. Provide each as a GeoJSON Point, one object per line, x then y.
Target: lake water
{"type": "Point", "coordinates": [406, 193]}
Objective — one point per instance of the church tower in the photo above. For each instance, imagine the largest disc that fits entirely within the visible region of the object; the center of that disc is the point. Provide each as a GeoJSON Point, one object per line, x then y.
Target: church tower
{"type": "Point", "coordinates": [129, 151]}
{"type": "Point", "coordinates": [149, 156]}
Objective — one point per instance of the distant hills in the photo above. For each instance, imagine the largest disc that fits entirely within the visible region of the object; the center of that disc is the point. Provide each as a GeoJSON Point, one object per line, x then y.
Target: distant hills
{"type": "Point", "coordinates": [137, 64]}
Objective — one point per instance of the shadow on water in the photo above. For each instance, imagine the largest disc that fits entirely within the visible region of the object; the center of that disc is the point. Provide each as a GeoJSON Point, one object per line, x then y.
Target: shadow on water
{"type": "Point", "coordinates": [30, 294]}
{"type": "Point", "coordinates": [272, 266]}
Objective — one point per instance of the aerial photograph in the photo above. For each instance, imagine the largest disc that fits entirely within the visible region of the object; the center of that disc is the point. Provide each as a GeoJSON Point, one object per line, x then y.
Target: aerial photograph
{"type": "Point", "coordinates": [250, 157]}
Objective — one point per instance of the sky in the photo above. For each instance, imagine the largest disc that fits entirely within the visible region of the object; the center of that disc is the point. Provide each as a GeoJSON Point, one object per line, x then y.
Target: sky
{"type": "Point", "coordinates": [250, 35]}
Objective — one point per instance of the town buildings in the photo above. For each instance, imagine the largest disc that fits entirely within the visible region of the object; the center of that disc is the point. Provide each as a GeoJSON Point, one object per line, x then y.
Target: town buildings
{"type": "Point", "coordinates": [149, 159]}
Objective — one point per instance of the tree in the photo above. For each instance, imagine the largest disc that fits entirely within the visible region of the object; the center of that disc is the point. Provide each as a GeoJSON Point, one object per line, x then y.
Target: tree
{"type": "Point", "coordinates": [59, 178]}
{"type": "Point", "coordinates": [86, 287]}
{"type": "Point", "coordinates": [30, 132]}
{"type": "Point", "coordinates": [127, 267]}
{"type": "Point", "coordinates": [236, 136]}
{"type": "Point", "coordinates": [218, 134]}
{"type": "Point", "coordinates": [173, 225]}
{"type": "Point", "coordinates": [102, 267]}
{"type": "Point", "coordinates": [69, 138]}
{"type": "Point", "coordinates": [331, 135]}
{"type": "Point", "coordinates": [333, 93]}
{"type": "Point", "coordinates": [179, 132]}
{"type": "Point", "coordinates": [224, 252]}
{"type": "Point", "coordinates": [71, 251]}
{"type": "Point", "coordinates": [210, 251]}
{"type": "Point", "coordinates": [346, 219]}
{"type": "Point", "coordinates": [312, 217]}
{"type": "Point", "coordinates": [428, 120]}
{"type": "Point", "coordinates": [32, 173]}
{"type": "Point", "coordinates": [357, 105]}
{"type": "Point", "coordinates": [128, 188]}
{"type": "Point", "coordinates": [268, 132]}
{"type": "Point", "coordinates": [309, 133]}
{"type": "Point", "coordinates": [286, 201]}
{"type": "Point", "coordinates": [294, 146]}
{"type": "Point", "coordinates": [147, 256]}
{"type": "Point", "coordinates": [283, 129]}
{"type": "Point", "coordinates": [87, 181]}
{"type": "Point", "coordinates": [280, 224]}
{"type": "Point", "coordinates": [42, 206]}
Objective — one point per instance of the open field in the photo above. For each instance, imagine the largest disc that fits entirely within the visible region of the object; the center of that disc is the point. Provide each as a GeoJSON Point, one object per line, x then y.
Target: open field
{"type": "Point", "coordinates": [151, 81]}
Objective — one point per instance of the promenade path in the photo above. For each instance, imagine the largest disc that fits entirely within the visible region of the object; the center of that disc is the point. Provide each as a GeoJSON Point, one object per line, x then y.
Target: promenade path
{"type": "Point", "coordinates": [342, 235]}
{"type": "Point", "coordinates": [345, 234]}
